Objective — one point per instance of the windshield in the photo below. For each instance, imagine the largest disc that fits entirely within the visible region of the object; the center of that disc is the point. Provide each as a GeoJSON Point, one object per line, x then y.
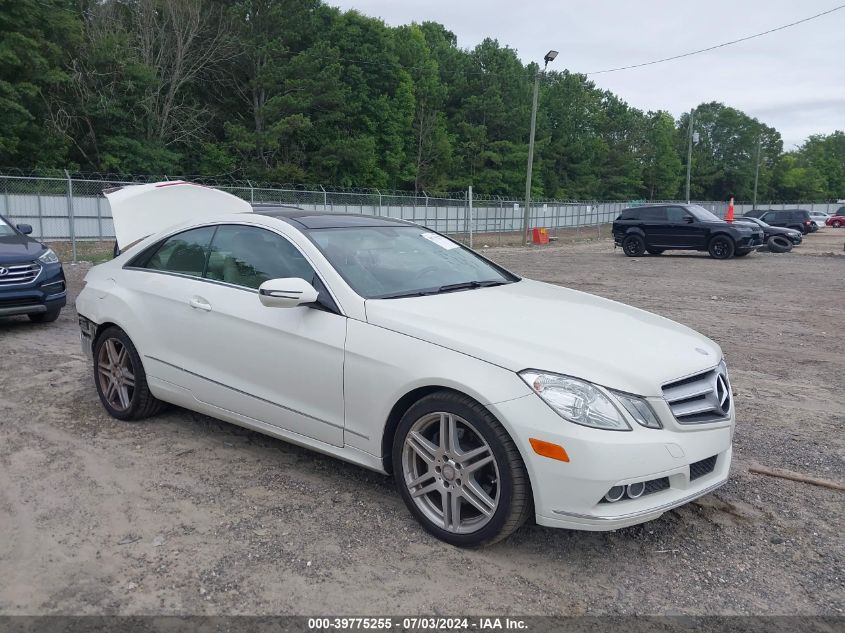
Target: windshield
{"type": "Point", "coordinates": [403, 261]}
{"type": "Point", "coordinates": [703, 214]}
{"type": "Point", "coordinates": [6, 229]}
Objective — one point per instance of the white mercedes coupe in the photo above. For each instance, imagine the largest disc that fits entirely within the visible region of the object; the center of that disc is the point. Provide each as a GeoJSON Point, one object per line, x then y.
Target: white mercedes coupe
{"type": "Point", "coordinates": [490, 398]}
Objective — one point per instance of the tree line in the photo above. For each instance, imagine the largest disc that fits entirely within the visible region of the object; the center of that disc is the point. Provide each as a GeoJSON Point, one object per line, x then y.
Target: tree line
{"type": "Point", "coordinates": [293, 91]}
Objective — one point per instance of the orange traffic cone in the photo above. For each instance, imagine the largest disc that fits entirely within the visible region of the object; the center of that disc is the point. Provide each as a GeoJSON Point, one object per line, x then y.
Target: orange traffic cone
{"type": "Point", "coordinates": [730, 216]}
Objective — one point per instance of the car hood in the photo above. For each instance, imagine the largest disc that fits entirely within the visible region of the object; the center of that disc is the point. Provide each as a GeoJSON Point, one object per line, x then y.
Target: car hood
{"type": "Point", "coordinates": [777, 230]}
{"type": "Point", "coordinates": [534, 325]}
{"type": "Point", "coordinates": [19, 248]}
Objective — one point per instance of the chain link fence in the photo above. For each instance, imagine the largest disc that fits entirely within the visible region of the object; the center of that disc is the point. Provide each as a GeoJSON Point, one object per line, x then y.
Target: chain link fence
{"type": "Point", "coordinates": [73, 209]}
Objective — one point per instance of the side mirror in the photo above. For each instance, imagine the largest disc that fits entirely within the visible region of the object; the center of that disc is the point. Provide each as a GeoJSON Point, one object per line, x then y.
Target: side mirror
{"type": "Point", "coordinates": [287, 292]}
{"type": "Point", "coordinates": [26, 229]}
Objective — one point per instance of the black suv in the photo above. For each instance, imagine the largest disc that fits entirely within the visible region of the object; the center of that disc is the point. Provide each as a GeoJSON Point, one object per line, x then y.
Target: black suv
{"type": "Point", "coordinates": [797, 219]}
{"type": "Point", "coordinates": [660, 227]}
{"type": "Point", "coordinates": [32, 281]}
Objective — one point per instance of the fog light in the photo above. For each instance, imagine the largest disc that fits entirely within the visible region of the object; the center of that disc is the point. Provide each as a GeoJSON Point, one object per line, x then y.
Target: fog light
{"type": "Point", "coordinates": [636, 490]}
{"type": "Point", "coordinates": [615, 494]}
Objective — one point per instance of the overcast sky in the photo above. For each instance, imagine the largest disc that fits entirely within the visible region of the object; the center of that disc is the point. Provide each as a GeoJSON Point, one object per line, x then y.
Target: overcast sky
{"type": "Point", "coordinates": [793, 80]}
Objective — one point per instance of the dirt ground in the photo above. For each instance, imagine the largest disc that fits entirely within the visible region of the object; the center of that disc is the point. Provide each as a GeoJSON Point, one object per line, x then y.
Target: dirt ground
{"type": "Point", "coordinates": [182, 514]}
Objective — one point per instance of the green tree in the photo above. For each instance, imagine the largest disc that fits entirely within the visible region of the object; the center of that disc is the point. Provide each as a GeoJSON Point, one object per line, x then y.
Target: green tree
{"type": "Point", "coordinates": [37, 41]}
{"type": "Point", "coordinates": [663, 168]}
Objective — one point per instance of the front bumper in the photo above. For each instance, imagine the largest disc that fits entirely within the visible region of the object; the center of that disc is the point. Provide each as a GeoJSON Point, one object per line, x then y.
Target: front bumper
{"type": "Point", "coordinates": [751, 241]}
{"type": "Point", "coordinates": [570, 494]}
{"type": "Point", "coordinates": [45, 293]}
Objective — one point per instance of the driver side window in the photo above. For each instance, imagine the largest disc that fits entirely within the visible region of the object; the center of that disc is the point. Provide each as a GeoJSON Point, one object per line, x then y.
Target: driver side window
{"type": "Point", "coordinates": [248, 256]}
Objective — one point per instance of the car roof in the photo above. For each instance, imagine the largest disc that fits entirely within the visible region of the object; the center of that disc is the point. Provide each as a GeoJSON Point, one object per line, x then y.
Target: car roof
{"type": "Point", "coordinates": [304, 218]}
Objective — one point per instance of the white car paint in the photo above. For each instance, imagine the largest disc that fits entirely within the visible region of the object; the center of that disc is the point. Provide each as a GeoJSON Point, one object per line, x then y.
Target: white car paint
{"type": "Point", "coordinates": [330, 382]}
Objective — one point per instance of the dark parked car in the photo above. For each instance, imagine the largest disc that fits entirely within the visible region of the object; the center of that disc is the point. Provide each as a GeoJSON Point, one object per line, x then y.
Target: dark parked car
{"type": "Point", "coordinates": [32, 281]}
{"type": "Point", "coordinates": [837, 219]}
{"type": "Point", "coordinates": [660, 227]}
{"type": "Point", "coordinates": [797, 219]}
{"type": "Point", "coordinates": [796, 237]}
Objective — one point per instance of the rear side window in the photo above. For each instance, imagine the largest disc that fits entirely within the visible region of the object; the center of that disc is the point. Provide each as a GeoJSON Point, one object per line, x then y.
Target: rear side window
{"type": "Point", "coordinates": [183, 253]}
{"type": "Point", "coordinates": [654, 214]}
{"type": "Point", "coordinates": [248, 256]}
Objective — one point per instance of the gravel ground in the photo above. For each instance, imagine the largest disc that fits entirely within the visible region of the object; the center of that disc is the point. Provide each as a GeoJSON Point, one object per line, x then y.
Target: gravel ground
{"type": "Point", "coordinates": [183, 514]}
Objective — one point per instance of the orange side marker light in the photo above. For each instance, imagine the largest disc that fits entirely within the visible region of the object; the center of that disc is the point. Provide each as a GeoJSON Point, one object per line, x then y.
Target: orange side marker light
{"type": "Point", "coordinates": [547, 449]}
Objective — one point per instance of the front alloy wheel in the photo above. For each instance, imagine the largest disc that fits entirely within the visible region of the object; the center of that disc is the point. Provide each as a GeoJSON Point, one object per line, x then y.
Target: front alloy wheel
{"type": "Point", "coordinates": [721, 247]}
{"type": "Point", "coordinates": [450, 472]}
{"type": "Point", "coordinates": [459, 471]}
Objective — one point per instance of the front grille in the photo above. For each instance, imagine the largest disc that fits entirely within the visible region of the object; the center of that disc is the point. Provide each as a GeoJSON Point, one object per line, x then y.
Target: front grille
{"type": "Point", "coordinates": [16, 303]}
{"type": "Point", "coordinates": [704, 467]}
{"type": "Point", "coordinates": [18, 274]}
{"type": "Point", "coordinates": [699, 399]}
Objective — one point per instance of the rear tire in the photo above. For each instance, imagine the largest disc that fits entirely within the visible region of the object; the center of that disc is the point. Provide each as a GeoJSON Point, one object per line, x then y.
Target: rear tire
{"type": "Point", "coordinates": [721, 247]}
{"type": "Point", "coordinates": [836, 224]}
{"type": "Point", "coordinates": [655, 251]}
{"type": "Point", "coordinates": [779, 244]}
{"type": "Point", "coordinates": [120, 378]}
{"type": "Point", "coordinates": [44, 317]}
{"type": "Point", "coordinates": [438, 446]}
{"type": "Point", "coordinates": [633, 246]}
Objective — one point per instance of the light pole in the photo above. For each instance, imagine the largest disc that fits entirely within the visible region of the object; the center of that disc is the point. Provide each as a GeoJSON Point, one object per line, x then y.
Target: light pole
{"type": "Point", "coordinates": [689, 151]}
{"type": "Point", "coordinates": [757, 171]}
{"type": "Point", "coordinates": [527, 215]}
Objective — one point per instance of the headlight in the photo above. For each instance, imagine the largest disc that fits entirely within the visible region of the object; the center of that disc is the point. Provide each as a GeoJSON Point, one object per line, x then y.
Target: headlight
{"type": "Point", "coordinates": [49, 257]}
{"type": "Point", "coordinates": [576, 400]}
{"type": "Point", "coordinates": [639, 409]}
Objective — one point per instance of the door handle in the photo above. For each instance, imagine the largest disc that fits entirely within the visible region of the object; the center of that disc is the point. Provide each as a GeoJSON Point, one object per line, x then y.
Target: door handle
{"type": "Point", "coordinates": [198, 303]}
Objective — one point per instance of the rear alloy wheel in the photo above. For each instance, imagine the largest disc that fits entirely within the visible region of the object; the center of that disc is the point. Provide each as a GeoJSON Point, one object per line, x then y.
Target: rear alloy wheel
{"type": "Point", "coordinates": [633, 246]}
{"type": "Point", "coordinates": [655, 251]}
{"type": "Point", "coordinates": [721, 247]}
{"type": "Point", "coordinates": [459, 472]}
{"type": "Point", "coordinates": [120, 378]}
{"type": "Point", "coordinates": [836, 224]}
{"type": "Point", "coordinates": [779, 244]}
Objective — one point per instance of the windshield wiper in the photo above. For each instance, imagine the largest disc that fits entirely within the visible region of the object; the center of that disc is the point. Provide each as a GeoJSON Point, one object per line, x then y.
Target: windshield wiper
{"type": "Point", "coordinates": [469, 285]}
{"type": "Point", "coordinates": [464, 285]}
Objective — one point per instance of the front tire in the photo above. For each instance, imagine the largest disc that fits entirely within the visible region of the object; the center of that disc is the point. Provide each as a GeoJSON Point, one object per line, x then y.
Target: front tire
{"type": "Point", "coordinates": [120, 378]}
{"type": "Point", "coordinates": [44, 317]}
{"type": "Point", "coordinates": [459, 472]}
{"type": "Point", "coordinates": [721, 247]}
{"type": "Point", "coordinates": [633, 246]}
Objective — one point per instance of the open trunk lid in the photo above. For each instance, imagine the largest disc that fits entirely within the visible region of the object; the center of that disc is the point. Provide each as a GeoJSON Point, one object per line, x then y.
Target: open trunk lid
{"type": "Point", "coordinates": [142, 210]}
